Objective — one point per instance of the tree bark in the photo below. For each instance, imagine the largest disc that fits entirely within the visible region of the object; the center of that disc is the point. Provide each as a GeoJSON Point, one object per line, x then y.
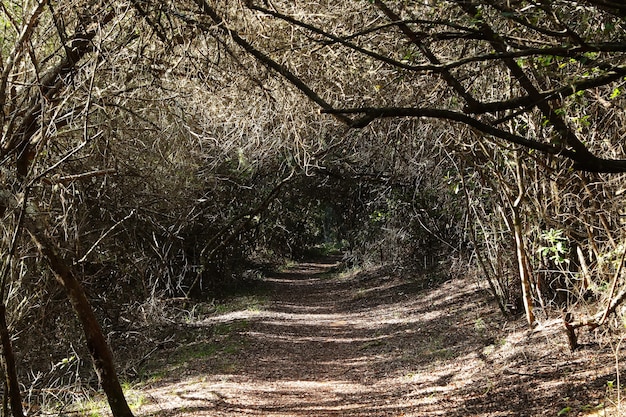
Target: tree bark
{"type": "Point", "coordinates": [96, 342]}
{"type": "Point", "coordinates": [13, 388]}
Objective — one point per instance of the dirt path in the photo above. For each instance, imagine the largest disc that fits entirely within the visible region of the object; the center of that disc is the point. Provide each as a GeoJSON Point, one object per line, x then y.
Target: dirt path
{"type": "Point", "coordinates": [371, 344]}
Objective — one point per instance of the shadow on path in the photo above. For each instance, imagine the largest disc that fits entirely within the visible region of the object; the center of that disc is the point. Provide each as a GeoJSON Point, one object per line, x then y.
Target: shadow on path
{"type": "Point", "coordinates": [375, 344]}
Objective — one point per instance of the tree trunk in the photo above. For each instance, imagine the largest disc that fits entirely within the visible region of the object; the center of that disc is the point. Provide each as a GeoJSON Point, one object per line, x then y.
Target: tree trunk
{"type": "Point", "coordinates": [524, 273]}
{"type": "Point", "coordinates": [97, 344]}
{"type": "Point", "coordinates": [522, 257]}
{"type": "Point", "coordinates": [13, 388]}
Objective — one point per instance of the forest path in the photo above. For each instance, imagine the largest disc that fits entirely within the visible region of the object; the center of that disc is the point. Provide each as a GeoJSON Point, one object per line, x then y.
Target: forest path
{"type": "Point", "coordinates": [371, 343]}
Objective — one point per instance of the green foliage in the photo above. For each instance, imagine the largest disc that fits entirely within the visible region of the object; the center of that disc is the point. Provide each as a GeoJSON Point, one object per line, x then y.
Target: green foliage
{"type": "Point", "coordinates": [378, 216]}
{"type": "Point", "coordinates": [409, 56]}
{"type": "Point", "coordinates": [225, 329]}
{"type": "Point", "coordinates": [545, 60]}
{"type": "Point", "coordinates": [564, 411]}
{"type": "Point", "coordinates": [582, 121]}
{"type": "Point", "coordinates": [554, 246]}
{"type": "Point", "coordinates": [615, 93]}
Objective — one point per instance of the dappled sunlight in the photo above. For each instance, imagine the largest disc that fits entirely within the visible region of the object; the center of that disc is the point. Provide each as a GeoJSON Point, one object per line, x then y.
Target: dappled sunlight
{"type": "Point", "coordinates": [373, 346]}
{"type": "Point", "coordinates": [407, 393]}
{"type": "Point", "coordinates": [317, 339]}
{"type": "Point", "coordinates": [230, 394]}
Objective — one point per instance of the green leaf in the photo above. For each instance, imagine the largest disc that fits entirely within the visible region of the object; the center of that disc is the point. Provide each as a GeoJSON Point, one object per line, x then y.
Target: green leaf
{"type": "Point", "coordinates": [564, 411]}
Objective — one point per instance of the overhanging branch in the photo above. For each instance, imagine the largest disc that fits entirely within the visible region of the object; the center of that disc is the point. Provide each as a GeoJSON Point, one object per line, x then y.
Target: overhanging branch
{"type": "Point", "coordinates": [371, 114]}
{"type": "Point", "coordinates": [583, 161]}
{"type": "Point", "coordinates": [266, 60]}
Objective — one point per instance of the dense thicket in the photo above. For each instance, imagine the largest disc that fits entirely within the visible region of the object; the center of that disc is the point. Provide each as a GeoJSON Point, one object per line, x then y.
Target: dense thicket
{"type": "Point", "coordinates": [164, 149]}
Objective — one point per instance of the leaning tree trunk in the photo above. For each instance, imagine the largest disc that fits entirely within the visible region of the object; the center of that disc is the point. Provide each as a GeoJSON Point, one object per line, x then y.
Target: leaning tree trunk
{"type": "Point", "coordinates": [97, 344]}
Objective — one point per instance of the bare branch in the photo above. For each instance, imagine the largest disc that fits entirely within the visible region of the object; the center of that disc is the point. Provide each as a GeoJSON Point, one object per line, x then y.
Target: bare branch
{"type": "Point", "coordinates": [584, 161]}
{"type": "Point", "coordinates": [262, 57]}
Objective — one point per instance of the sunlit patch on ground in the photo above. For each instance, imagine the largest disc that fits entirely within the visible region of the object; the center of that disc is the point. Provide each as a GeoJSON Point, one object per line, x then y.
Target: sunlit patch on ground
{"type": "Point", "coordinates": [381, 346]}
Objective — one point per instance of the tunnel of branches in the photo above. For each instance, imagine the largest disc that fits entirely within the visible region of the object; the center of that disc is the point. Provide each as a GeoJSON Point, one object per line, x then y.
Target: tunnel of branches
{"type": "Point", "coordinates": [177, 150]}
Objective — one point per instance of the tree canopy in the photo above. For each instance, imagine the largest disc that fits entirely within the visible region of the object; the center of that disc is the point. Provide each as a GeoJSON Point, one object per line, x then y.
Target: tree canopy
{"type": "Point", "coordinates": [165, 149]}
{"type": "Point", "coordinates": [517, 71]}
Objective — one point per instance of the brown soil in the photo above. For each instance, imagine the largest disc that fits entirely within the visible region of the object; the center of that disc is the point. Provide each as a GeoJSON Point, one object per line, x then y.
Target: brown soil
{"type": "Point", "coordinates": [373, 343]}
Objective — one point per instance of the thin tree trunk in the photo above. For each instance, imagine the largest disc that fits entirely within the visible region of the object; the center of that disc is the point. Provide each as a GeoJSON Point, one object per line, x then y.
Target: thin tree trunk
{"type": "Point", "coordinates": [12, 394]}
{"type": "Point", "coordinates": [524, 273]}
{"type": "Point", "coordinates": [12, 385]}
{"type": "Point", "coordinates": [522, 257]}
{"type": "Point", "coordinates": [5, 400]}
{"type": "Point", "coordinates": [97, 344]}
